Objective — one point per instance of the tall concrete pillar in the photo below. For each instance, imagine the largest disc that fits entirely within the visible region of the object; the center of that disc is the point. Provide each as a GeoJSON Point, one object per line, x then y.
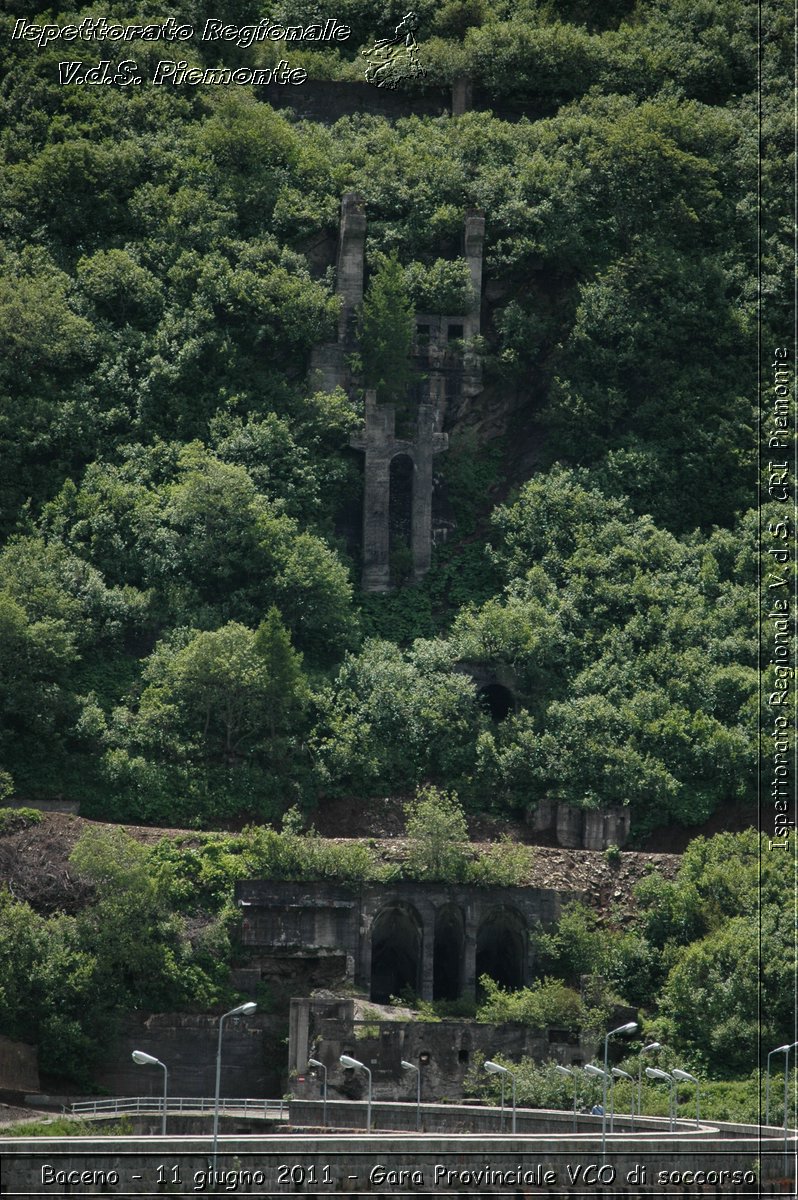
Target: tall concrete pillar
{"type": "Point", "coordinates": [461, 95]}
{"type": "Point", "coordinates": [298, 1027]}
{"type": "Point", "coordinates": [351, 260]}
{"type": "Point", "coordinates": [474, 242]}
{"type": "Point", "coordinates": [421, 534]}
{"type": "Point", "coordinates": [470, 961]}
{"type": "Point", "coordinates": [363, 974]}
{"type": "Point", "coordinates": [427, 956]}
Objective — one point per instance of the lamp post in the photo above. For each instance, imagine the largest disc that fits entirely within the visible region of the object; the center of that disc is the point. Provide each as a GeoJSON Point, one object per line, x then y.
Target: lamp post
{"type": "Point", "coordinates": [645, 1050]}
{"type": "Point", "coordinates": [346, 1061]}
{"type": "Point", "coordinates": [779, 1050]}
{"type": "Point", "coordinates": [408, 1066]}
{"type": "Point", "coordinates": [495, 1069]}
{"type": "Point", "coordinates": [792, 1046]}
{"type": "Point", "coordinates": [686, 1077]}
{"type": "Point", "coordinates": [568, 1071]}
{"type": "Point", "coordinates": [655, 1073]}
{"type": "Point", "coordinates": [314, 1062]}
{"type": "Point", "coordinates": [146, 1060]}
{"type": "Point", "coordinates": [617, 1073]}
{"type": "Point", "coordinates": [629, 1027]}
{"type": "Point", "coordinates": [595, 1072]}
{"type": "Point", "coordinates": [241, 1010]}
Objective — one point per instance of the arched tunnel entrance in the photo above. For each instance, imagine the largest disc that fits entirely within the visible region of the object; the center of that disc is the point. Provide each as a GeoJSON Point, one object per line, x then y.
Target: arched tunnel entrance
{"type": "Point", "coordinates": [501, 948]}
{"type": "Point", "coordinates": [395, 952]}
{"type": "Point", "coordinates": [447, 977]}
{"type": "Point", "coordinates": [497, 701]}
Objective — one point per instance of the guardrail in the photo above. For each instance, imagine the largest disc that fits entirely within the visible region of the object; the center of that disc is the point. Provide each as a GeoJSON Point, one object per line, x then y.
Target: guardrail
{"type": "Point", "coordinates": [110, 1106]}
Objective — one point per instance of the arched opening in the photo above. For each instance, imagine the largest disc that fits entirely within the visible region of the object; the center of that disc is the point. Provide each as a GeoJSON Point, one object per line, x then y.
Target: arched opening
{"type": "Point", "coordinates": [395, 952]}
{"type": "Point", "coordinates": [501, 948]}
{"type": "Point", "coordinates": [496, 700]}
{"type": "Point", "coordinates": [447, 970]}
{"type": "Point", "coordinates": [400, 518]}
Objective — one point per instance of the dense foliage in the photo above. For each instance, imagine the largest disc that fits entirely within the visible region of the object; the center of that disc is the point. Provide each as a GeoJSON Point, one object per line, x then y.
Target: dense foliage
{"type": "Point", "coordinates": [181, 636]}
{"type": "Point", "coordinates": [171, 484]}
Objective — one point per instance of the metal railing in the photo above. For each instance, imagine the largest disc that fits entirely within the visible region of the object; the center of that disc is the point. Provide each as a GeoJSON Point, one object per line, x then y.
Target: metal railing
{"type": "Point", "coordinates": [110, 1106]}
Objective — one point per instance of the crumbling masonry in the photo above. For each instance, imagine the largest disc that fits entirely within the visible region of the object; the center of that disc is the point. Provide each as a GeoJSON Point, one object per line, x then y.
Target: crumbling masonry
{"type": "Point", "coordinates": [450, 371]}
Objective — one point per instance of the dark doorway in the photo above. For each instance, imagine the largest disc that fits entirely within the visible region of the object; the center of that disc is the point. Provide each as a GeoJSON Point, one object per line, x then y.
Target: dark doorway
{"type": "Point", "coordinates": [497, 701]}
{"type": "Point", "coordinates": [501, 948]}
{"type": "Point", "coordinates": [395, 953]}
{"type": "Point", "coordinates": [400, 518]}
{"type": "Point", "coordinates": [447, 975]}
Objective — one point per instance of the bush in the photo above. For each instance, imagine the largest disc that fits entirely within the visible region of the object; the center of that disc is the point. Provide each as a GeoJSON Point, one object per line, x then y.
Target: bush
{"type": "Point", "coordinates": [547, 1002]}
{"type": "Point", "coordinates": [438, 837]}
{"type": "Point", "coordinates": [12, 820]}
{"type": "Point", "coordinates": [504, 864]}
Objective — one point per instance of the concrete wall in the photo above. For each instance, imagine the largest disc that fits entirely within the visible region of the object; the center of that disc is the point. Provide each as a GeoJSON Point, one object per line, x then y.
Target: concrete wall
{"type": "Point", "coordinates": [324, 1029]}
{"type": "Point", "coordinates": [347, 1164]}
{"type": "Point", "coordinates": [473, 1118]}
{"type": "Point", "coordinates": [19, 1066]}
{"type": "Point", "coordinates": [253, 1061]}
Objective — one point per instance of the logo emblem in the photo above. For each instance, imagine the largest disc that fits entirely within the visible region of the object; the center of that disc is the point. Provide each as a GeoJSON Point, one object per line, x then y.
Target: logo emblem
{"type": "Point", "coordinates": [392, 59]}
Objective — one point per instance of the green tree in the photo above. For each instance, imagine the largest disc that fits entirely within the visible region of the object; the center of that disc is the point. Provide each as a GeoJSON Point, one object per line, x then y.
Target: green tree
{"type": "Point", "coordinates": [385, 332]}
{"type": "Point", "coordinates": [285, 688]}
{"type": "Point", "coordinates": [437, 835]}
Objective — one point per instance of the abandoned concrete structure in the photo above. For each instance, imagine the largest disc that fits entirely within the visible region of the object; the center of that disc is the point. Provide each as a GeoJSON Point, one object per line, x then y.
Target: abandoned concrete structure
{"type": "Point", "coordinates": [398, 471]}
{"type": "Point", "coordinates": [432, 939]}
{"type": "Point", "coordinates": [579, 828]}
{"type": "Point", "coordinates": [324, 1027]}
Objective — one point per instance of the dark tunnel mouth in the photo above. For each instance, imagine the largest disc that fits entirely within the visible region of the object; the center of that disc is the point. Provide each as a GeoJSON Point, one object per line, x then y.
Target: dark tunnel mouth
{"type": "Point", "coordinates": [497, 700]}
{"type": "Point", "coordinates": [395, 953]}
{"type": "Point", "coordinates": [501, 942]}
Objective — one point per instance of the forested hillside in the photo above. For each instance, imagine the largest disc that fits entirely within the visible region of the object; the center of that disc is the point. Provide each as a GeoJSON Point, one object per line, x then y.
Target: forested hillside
{"type": "Point", "coordinates": [182, 639]}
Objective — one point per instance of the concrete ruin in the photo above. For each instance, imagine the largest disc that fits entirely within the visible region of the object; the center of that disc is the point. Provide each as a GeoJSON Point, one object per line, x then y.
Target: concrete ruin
{"type": "Point", "coordinates": [325, 1027]}
{"type": "Point", "coordinates": [398, 470]}
{"type": "Point", "coordinates": [430, 939]}
{"type": "Point", "coordinates": [581, 828]}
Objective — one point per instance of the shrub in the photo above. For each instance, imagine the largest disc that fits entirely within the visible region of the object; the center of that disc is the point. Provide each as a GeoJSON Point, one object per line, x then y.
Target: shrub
{"type": "Point", "coordinates": [12, 820]}
{"type": "Point", "coordinates": [546, 1002]}
{"type": "Point", "coordinates": [504, 864]}
{"type": "Point", "coordinates": [438, 836]}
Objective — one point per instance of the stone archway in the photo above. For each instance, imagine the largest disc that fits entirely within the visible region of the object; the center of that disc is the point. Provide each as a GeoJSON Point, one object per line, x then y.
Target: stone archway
{"type": "Point", "coordinates": [447, 976]}
{"type": "Point", "coordinates": [501, 948]}
{"type": "Point", "coordinates": [396, 943]}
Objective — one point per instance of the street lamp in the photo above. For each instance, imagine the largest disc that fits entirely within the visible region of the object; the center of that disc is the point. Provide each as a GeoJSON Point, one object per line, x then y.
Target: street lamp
{"type": "Point", "coordinates": [146, 1060]}
{"type": "Point", "coordinates": [346, 1061]}
{"type": "Point", "coordinates": [655, 1073]}
{"type": "Point", "coordinates": [645, 1050]}
{"type": "Point", "coordinates": [596, 1072]}
{"type": "Point", "coordinates": [408, 1066]}
{"type": "Point", "coordinates": [779, 1050]}
{"type": "Point", "coordinates": [792, 1046]}
{"type": "Point", "coordinates": [314, 1062]}
{"type": "Point", "coordinates": [568, 1071]}
{"type": "Point", "coordinates": [242, 1010]}
{"type": "Point", "coordinates": [686, 1077]}
{"type": "Point", "coordinates": [629, 1027]}
{"type": "Point", "coordinates": [495, 1069]}
{"type": "Point", "coordinates": [617, 1073]}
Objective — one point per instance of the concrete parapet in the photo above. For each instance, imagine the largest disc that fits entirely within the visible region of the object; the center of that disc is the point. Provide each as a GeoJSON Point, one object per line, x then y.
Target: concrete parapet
{"type": "Point", "coordinates": [321, 1163]}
